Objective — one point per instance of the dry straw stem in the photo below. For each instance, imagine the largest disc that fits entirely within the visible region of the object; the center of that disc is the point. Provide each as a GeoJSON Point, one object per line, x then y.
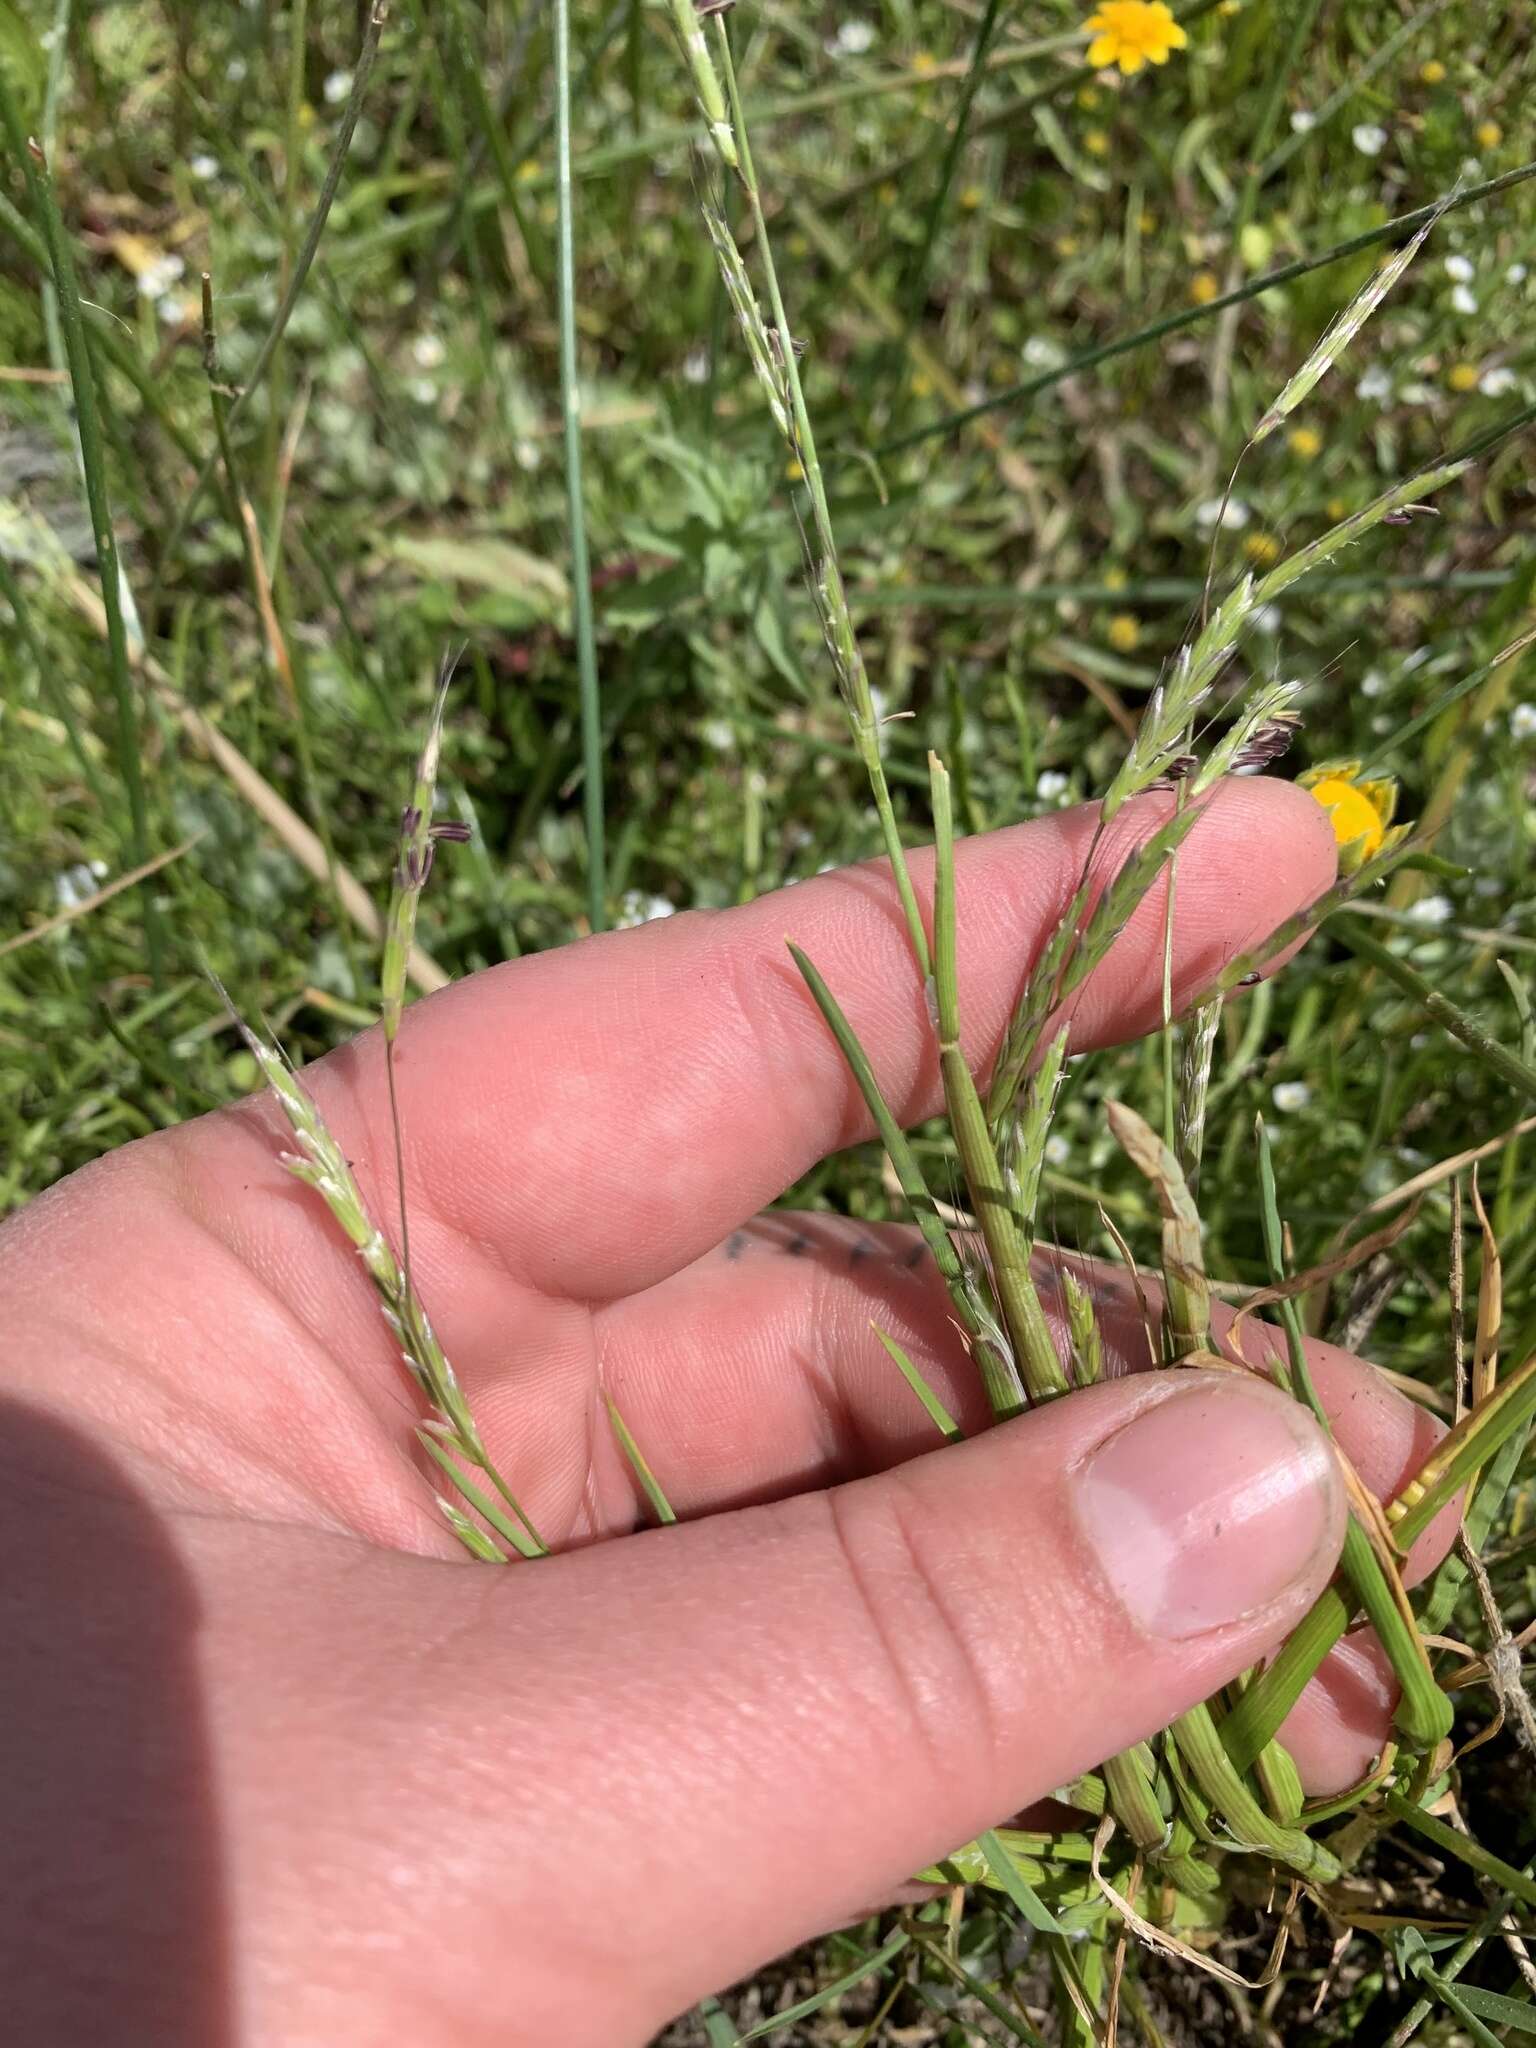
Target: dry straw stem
{"type": "Point", "coordinates": [276, 814]}
{"type": "Point", "coordinates": [113, 888]}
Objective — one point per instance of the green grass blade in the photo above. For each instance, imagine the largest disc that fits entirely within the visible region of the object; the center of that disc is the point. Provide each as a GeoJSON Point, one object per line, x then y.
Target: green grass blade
{"type": "Point", "coordinates": [570, 403]}
{"type": "Point", "coordinates": [1011, 1880]}
{"type": "Point", "coordinates": [937, 1413]}
{"type": "Point", "coordinates": [1190, 316]}
{"type": "Point", "coordinates": [793, 2014]}
{"type": "Point", "coordinates": [82, 375]}
{"type": "Point", "coordinates": [642, 1471]}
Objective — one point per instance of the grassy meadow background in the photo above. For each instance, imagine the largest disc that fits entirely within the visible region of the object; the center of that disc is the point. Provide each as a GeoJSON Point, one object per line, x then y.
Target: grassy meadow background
{"type": "Point", "coordinates": [961, 211]}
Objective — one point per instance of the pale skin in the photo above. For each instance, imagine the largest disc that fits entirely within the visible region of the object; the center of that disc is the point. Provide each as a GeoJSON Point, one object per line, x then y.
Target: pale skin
{"type": "Point", "coordinates": [289, 1768]}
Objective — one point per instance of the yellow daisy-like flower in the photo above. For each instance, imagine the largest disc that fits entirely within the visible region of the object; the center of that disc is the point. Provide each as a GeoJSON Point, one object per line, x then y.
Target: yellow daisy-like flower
{"type": "Point", "coordinates": [1306, 442]}
{"type": "Point", "coordinates": [1488, 134]}
{"type": "Point", "coordinates": [1096, 142]}
{"type": "Point", "coordinates": [1204, 286]}
{"type": "Point", "coordinates": [1123, 633]}
{"type": "Point", "coordinates": [1359, 811]}
{"type": "Point", "coordinates": [1262, 548]}
{"type": "Point", "coordinates": [1131, 33]}
{"type": "Point", "coordinates": [1432, 73]}
{"type": "Point", "coordinates": [1462, 376]}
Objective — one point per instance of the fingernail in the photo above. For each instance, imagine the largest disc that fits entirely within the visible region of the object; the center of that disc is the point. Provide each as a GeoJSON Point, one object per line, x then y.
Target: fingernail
{"type": "Point", "coordinates": [1210, 1506]}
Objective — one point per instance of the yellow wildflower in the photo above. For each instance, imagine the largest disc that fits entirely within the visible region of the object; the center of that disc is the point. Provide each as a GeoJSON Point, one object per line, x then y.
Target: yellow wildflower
{"type": "Point", "coordinates": [1131, 33]}
{"type": "Point", "coordinates": [971, 198]}
{"type": "Point", "coordinates": [793, 470]}
{"type": "Point", "coordinates": [1337, 509]}
{"type": "Point", "coordinates": [925, 63]}
{"type": "Point", "coordinates": [1262, 548]}
{"type": "Point", "coordinates": [1066, 246]}
{"type": "Point", "coordinates": [1359, 811]}
{"type": "Point", "coordinates": [920, 384]}
{"type": "Point", "coordinates": [528, 170]}
{"type": "Point", "coordinates": [1204, 286]}
{"type": "Point", "coordinates": [1146, 220]}
{"type": "Point", "coordinates": [1488, 134]}
{"type": "Point", "coordinates": [1462, 376]}
{"type": "Point", "coordinates": [1096, 142]}
{"type": "Point", "coordinates": [1305, 442]}
{"type": "Point", "coordinates": [1088, 96]}
{"type": "Point", "coordinates": [1123, 633]}
{"type": "Point", "coordinates": [1115, 578]}
{"type": "Point", "coordinates": [1432, 73]}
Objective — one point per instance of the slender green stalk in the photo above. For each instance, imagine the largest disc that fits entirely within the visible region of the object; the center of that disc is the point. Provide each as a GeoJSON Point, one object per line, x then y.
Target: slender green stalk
{"type": "Point", "coordinates": [82, 376]}
{"type": "Point", "coordinates": [827, 576]}
{"type": "Point", "coordinates": [989, 1344]}
{"type": "Point", "coordinates": [1200, 1746]}
{"type": "Point", "coordinates": [1190, 316]}
{"type": "Point", "coordinates": [1445, 1013]}
{"type": "Point", "coordinates": [368, 50]}
{"type": "Point", "coordinates": [916, 284]}
{"type": "Point", "coordinates": [1517, 1882]}
{"type": "Point", "coordinates": [1453, 1965]}
{"type": "Point", "coordinates": [1423, 1713]}
{"type": "Point", "coordinates": [1007, 1247]}
{"type": "Point", "coordinates": [650, 1484]}
{"type": "Point", "coordinates": [570, 403]}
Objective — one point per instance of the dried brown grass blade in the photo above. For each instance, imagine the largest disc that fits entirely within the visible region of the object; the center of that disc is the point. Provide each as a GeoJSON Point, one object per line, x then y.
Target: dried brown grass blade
{"type": "Point", "coordinates": [103, 895]}
{"type": "Point", "coordinates": [1343, 1261]}
{"type": "Point", "coordinates": [252, 787]}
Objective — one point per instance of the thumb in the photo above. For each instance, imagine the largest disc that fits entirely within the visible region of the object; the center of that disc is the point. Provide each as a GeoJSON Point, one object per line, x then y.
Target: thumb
{"type": "Point", "coordinates": [661, 1761]}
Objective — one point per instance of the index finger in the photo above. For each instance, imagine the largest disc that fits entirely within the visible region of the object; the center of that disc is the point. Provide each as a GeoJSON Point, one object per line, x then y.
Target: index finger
{"type": "Point", "coordinates": [596, 1117]}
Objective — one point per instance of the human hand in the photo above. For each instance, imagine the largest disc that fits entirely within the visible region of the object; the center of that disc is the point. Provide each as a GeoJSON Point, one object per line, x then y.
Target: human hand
{"type": "Point", "coordinates": [287, 1768]}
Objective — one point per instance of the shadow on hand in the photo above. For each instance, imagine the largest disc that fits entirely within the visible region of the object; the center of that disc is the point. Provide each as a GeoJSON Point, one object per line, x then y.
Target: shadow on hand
{"type": "Point", "coordinates": [111, 1914]}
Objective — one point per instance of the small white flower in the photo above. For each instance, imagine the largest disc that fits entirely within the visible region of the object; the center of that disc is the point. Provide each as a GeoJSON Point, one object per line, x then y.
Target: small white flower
{"type": "Point", "coordinates": [853, 38]}
{"type": "Point", "coordinates": [1051, 785]}
{"type": "Point", "coordinates": [1471, 167]}
{"type": "Point", "coordinates": [635, 907]}
{"type": "Point", "coordinates": [75, 885]}
{"type": "Point", "coordinates": [336, 87]}
{"type": "Point", "coordinates": [1368, 138]}
{"type": "Point", "coordinates": [1515, 274]}
{"type": "Point", "coordinates": [1522, 721]}
{"type": "Point", "coordinates": [1041, 354]}
{"type": "Point", "coordinates": [1289, 1095]}
{"type": "Point", "coordinates": [1497, 382]}
{"type": "Point", "coordinates": [1416, 393]}
{"type": "Point", "coordinates": [1432, 910]}
{"type": "Point", "coordinates": [1302, 123]}
{"type": "Point", "coordinates": [717, 733]}
{"type": "Point", "coordinates": [1372, 683]}
{"type": "Point", "coordinates": [204, 166]}
{"type": "Point", "coordinates": [1460, 269]}
{"type": "Point", "coordinates": [696, 366]}
{"type": "Point", "coordinates": [156, 278]}
{"type": "Point", "coordinates": [423, 390]}
{"type": "Point", "coordinates": [49, 38]}
{"type": "Point", "coordinates": [1057, 1150]}
{"type": "Point", "coordinates": [428, 351]}
{"type": "Point", "coordinates": [235, 69]}
{"type": "Point", "coordinates": [1234, 518]}
{"type": "Point", "coordinates": [1464, 299]}
{"type": "Point", "coordinates": [1267, 619]}
{"type": "Point", "coordinates": [1375, 387]}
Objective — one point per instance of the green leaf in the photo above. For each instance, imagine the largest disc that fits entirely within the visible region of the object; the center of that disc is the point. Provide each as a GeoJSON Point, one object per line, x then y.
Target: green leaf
{"type": "Point", "coordinates": [1028, 1901]}
{"type": "Point", "coordinates": [486, 564]}
{"type": "Point", "coordinates": [22, 56]}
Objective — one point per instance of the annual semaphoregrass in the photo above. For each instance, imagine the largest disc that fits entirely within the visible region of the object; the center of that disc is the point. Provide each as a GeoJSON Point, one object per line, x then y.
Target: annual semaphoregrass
{"type": "Point", "coordinates": [470, 372]}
